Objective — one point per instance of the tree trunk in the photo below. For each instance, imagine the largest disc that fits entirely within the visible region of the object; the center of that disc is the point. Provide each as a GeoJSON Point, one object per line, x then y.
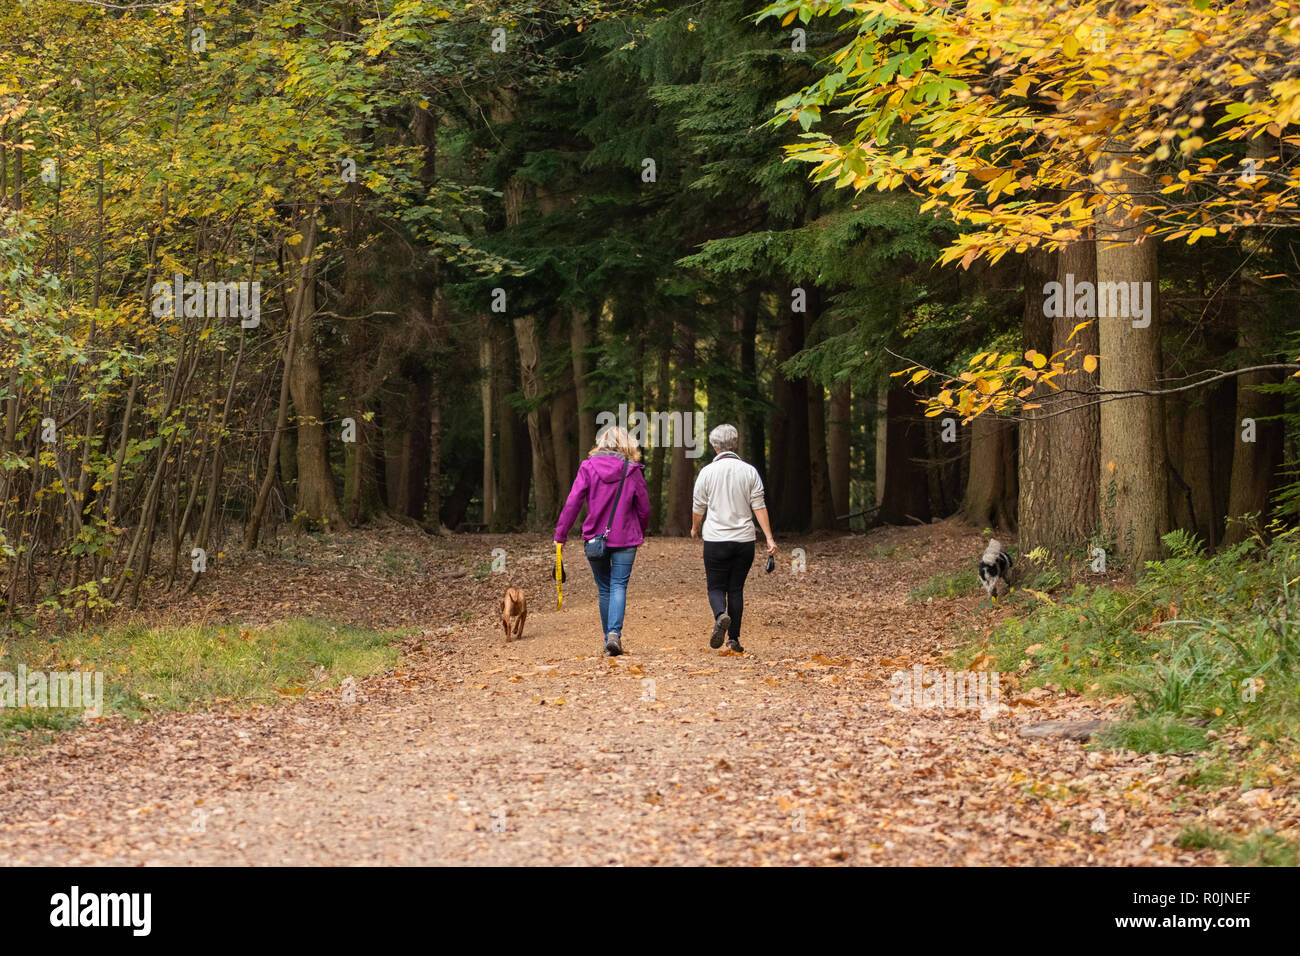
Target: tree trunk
{"type": "Point", "coordinates": [397, 448]}
{"type": "Point", "coordinates": [839, 440]}
{"type": "Point", "coordinates": [681, 478]}
{"type": "Point", "coordinates": [663, 399]}
{"type": "Point", "coordinates": [253, 529]}
{"type": "Point", "coordinates": [1073, 439]}
{"type": "Point", "coordinates": [790, 499]}
{"type": "Point", "coordinates": [418, 430]}
{"type": "Point", "coordinates": [1191, 488]}
{"type": "Point", "coordinates": [906, 497]}
{"type": "Point", "coordinates": [440, 315]}
{"type": "Point", "coordinates": [754, 445]}
{"type": "Point", "coordinates": [316, 501]}
{"type": "Point", "coordinates": [1254, 465]}
{"type": "Point", "coordinates": [1224, 433]}
{"type": "Point", "coordinates": [723, 398]}
{"type": "Point", "coordinates": [488, 404]}
{"type": "Point", "coordinates": [424, 128]}
{"type": "Point", "coordinates": [880, 427]}
{"type": "Point", "coordinates": [214, 475]}
{"type": "Point", "coordinates": [360, 495]}
{"type": "Point", "coordinates": [514, 474]}
{"type": "Point", "coordinates": [564, 419]}
{"type": "Point", "coordinates": [530, 368]}
{"type": "Point", "coordinates": [823, 507]}
{"type": "Point", "coordinates": [990, 499]}
{"type": "Point", "coordinates": [1034, 479]}
{"type": "Point", "coordinates": [1133, 492]}
{"type": "Point", "coordinates": [578, 347]}
{"type": "Point", "coordinates": [943, 471]}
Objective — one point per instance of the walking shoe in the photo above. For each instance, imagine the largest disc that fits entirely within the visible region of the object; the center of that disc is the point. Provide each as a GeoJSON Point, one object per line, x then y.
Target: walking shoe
{"type": "Point", "coordinates": [613, 644]}
{"type": "Point", "coordinates": [734, 645]}
{"type": "Point", "coordinates": [720, 630]}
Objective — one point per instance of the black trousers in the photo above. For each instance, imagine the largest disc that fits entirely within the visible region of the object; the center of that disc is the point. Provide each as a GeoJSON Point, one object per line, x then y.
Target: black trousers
{"type": "Point", "coordinates": [726, 565]}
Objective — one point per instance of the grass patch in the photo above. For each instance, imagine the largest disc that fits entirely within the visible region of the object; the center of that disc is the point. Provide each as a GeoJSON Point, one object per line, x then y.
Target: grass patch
{"type": "Point", "coordinates": [1201, 643]}
{"type": "Point", "coordinates": [399, 562]}
{"type": "Point", "coordinates": [149, 670]}
{"type": "Point", "coordinates": [1071, 641]}
{"type": "Point", "coordinates": [1162, 735]}
{"type": "Point", "coordinates": [47, 723]}
{"type": "Point", "coordinates": [954, 584]}
{"type": "Point", "coordinates": [1208, 775]}
{"type": "Point", "coordinates": [1201, 838]}
{"type": "Point", "coordinates": [1262, 848]}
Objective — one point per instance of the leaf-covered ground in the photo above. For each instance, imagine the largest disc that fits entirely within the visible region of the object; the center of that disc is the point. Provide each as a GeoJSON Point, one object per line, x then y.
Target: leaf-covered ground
{"type": "Point", "coordinates": [544, 752]}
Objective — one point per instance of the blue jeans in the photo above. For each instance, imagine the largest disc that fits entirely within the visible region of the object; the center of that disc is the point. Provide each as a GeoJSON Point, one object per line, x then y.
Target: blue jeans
{"type": "Point", "coordinates": [611, 573]}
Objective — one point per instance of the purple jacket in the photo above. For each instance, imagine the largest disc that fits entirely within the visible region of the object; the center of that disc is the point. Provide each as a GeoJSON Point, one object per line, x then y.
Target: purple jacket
{"type": "Point", "coordinates": [595, 485]}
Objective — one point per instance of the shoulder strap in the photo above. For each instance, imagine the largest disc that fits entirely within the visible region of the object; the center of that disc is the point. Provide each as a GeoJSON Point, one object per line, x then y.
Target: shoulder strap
{"type": "Point", "coordinates": [610, 523]}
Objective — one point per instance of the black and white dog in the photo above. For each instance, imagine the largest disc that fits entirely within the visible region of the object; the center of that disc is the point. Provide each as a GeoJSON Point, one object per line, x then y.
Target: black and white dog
{"type": "Point", "coordinates": [995, 566]}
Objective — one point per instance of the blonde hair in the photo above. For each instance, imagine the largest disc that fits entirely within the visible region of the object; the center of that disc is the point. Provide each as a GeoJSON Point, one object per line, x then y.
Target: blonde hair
{"type": "Point", "coordinates": [614, 438]}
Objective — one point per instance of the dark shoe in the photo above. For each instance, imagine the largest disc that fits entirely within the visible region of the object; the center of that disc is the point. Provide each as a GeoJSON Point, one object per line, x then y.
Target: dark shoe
{"type": "Point", "coordinates": [613, 644]}
{"type": "Point", "coordinates": [720, 630]}
{"type": "Point", "coordinates": [734, 645]}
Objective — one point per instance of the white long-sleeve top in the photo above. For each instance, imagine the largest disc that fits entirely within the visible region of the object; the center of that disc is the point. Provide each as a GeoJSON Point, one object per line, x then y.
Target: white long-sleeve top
{"type": "Point", "coordinates": [727, 492]}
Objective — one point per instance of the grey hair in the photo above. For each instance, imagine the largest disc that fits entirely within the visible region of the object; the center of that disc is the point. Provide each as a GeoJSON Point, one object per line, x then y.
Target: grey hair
{"type": "Point", "coordinates": [725, 438]}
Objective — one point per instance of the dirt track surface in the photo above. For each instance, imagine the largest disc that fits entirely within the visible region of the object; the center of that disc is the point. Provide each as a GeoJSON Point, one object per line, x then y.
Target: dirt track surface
{"type": "Point", "coordinates": [544, 752]}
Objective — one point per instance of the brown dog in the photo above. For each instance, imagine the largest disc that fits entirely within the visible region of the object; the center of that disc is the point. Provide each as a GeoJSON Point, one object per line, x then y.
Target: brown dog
{"type": "Point", "coordinates": [514, 611]}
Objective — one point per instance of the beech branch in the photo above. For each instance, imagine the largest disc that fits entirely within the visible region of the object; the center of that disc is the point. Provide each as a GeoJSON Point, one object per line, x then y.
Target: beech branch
{"type": "Point", "coordinates": [1102, 396]}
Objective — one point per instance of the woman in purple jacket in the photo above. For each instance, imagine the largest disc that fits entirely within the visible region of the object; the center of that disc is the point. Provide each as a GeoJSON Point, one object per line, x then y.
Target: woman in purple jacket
{"type": "Point", "coordinates": [596, 486]}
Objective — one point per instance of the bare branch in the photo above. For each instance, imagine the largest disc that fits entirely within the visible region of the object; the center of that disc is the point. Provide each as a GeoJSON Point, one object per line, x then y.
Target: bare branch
{"type": "Point", "coordinates": [123, 6]}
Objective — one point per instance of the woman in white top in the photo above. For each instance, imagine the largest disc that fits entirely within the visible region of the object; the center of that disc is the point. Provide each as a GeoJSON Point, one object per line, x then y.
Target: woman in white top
{"type": "Point", "coordinates": [729, 490]}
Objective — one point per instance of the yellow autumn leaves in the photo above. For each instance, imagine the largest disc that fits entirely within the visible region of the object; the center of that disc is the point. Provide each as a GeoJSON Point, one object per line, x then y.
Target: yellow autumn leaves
{"type": "Point", "coordinates": [995, 380]}
{"type": "Point", "coordinates": [1005, 115]}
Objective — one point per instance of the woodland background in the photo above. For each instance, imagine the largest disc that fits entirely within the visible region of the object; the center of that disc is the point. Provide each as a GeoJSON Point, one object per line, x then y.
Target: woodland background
{"type": "Point", "coordinates": [962, 155]}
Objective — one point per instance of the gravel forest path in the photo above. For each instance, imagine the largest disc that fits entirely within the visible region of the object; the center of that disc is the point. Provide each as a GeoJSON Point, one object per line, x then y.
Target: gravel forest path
{"type": "Point", "coordinates": [544, 752]}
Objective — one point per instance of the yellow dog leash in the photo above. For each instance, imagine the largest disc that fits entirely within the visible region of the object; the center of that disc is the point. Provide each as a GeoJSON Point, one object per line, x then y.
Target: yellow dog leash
{"type": "Point", "coordinates": [559, 576]}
